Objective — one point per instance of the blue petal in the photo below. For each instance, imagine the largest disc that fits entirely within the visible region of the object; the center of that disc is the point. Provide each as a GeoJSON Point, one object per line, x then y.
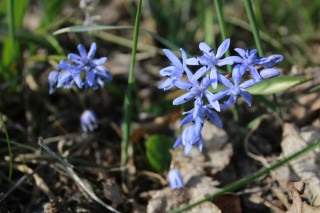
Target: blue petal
{"type": "Point", "coordinates": [92, 51]}
{"type": "Point", "coordinates": [214, 118]}
{"type": "Point", "coordinates": [183, 98]}
{"type": "Point", "coordinates": [220, 95]}
{"type": "Point", "coordinates": [193, 61]}
{"type": "Point", "coordinates": [249, 83]}
{"type": "Point", "coordinates": [200, 142]}
{"type": "Point", "coordinates": [167, 71]}
{"type": "Point", "coordinates": [199, 73]}
{"type": "Point", "coordinates": [188, 119]}
{"type": "Point", "coordinates": [223, 48]}
{"type": "Point", "coordinates": [183, 85]}
{"type": "Point", "coordinates": [63, 78]}
{"type": "Point", "coordinates": [273, 60]}
{"type": "Point", "coordinates": [226, 82]}
{"type": "Point", "coordinates": [204, 47]}
{"type": "Point", "coordinates": [75, 58]}
{"type": "Point", "coordinates": [241, 52]}
{"type": "Point", "coordinates": [205, 83]}
{"type": "Point", "coordinates": [254, 73]}
{"type": "Point", "coordinates": [198, 104]}
{"type": "Point", "coordinates": [247, 96]}
{"type": "Point", "coordinates": [173, 58]}
{"type": "Point", "coordinates": [167, 83]}
{"type": "Point", "coordinates": [90, 77]}
{"type": "Point", "coordinates": [184, 57]}
{"type": "Point", "coordinates": [269, 73]}
{"type": "Point", "coordinates": [210, 97]}
{"type": "Point", "coordinates": [82, 51]}
{"type": "Point", "coordinates": [178, 142]}
{"type": "Point", "coordinates": [214, 77]}
{"type": "Point", "coordinates": [64, 65]}
{"type": "Point", "coordinates": [236, 75]}
{"type": "Point", "coordinates": [229, 60]}
{"type": "Point", "coordinates": [187, 148]}
{"type": "Point", "coordinates": [99, 61]}
{"type": "Point", "coordinates": [78, 80]}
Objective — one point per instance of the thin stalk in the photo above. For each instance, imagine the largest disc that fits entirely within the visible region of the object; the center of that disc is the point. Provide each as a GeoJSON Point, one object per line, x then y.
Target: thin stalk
{"type": "Point", "coordinates": [11, 27]}
{"type": "Point", "coordinates": [9, 147]}
{"type": "Point", "coordinates": [128, 102]}
{"type": "Point", "coordinates": [240, 183]}
{"type": "Point", "coordinates": [223, 28]}
{"type": "Point", "coordinates": [254, 27]}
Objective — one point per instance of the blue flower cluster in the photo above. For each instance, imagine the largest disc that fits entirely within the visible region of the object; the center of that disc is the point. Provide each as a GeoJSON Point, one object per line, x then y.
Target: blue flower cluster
{"type": "Point", "coordinates": [96, 74]}
{"type": "Point", "coordinates": [206, 103]}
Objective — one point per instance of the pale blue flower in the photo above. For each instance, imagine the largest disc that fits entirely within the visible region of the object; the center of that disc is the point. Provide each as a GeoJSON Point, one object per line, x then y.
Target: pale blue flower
{"type": "Point", "coordinates": [175, 179]}
{"type": "Point", "coordinates": [88, 121]}
{"type": "Point", "coordinates": [102, 74]}
{"type": "Point", "coordinates": [87, 62]}
{"type": "Point", "coordinates": [190, 136]}
{"type": "Point", "coordinates": [53, 81]}
{"type": "Point", "coordinates": [250, 59]}
{"type": "Point", "coordinates": [173, 72]}
{"type": "Point", "coordinates": [209, 60]}
{"type": "Point", "coordinates": [71, 74]}
{"type": "Point", "coordinates": [234, 89]}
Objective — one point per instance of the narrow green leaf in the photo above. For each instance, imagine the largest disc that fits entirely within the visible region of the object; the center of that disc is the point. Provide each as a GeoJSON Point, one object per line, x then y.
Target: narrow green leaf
{"type": "Point", "coordinates": [9, 146]}
{"type": "Point", "coordinates": [275, 85]}
{"type": "Point", "coordinates": [157, 148]}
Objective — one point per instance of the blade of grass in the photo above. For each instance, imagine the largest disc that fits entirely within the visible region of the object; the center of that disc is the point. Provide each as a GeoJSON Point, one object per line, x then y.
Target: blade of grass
{"type": "Point", "coordinates": [254, 27]}
{"type": "Point", "coordinates": [248, 179]}
{"type": "Point", "coordinates": [9, 146]}
{"type": "Point", "coordinates": [128, 101]}
{"type": "Point", "coordinates": [11, 28]}
{"type": "Point", "coordinates": [223, 28]}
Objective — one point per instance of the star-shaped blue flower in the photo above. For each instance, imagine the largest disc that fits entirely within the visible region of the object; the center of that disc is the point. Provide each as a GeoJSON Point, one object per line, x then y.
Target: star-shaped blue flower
{"type": "Point", "coordinates": [71, 74]}
{"type": "Point", "coordinates": [87, 62]}
{"type": "Point", "coordinates": [209, 60]}
{"type": "Point", "coordinates": [235, 89]}
{"type": "Point", "coordinates": [173, 72]}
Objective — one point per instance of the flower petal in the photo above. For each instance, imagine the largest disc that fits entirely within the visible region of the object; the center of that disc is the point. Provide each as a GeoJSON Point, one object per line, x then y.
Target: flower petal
{"type": "Point", "coordinates": [273, 60]}
{"type": "Point", "coordinates": [183, 98]}
{"type": "Point", "coordinates": [226, 82]}
{"type": "Point", "coordinates": [75, 58]}
{"type": "Point", "coordinates": [223, 48]}
{"type": "Point", "coordinates": [193, 61]}
{"type": "Point", "coordinates": [183, 85]}
{"type": "Point", "coordinates": [204, 47]}
{"type": "Point", "coordinates": [241, 52]}
{"type": "Point", "coordinates": [247, 96]}
{"type": "Point", "coordinates": [214, 77]}
{"type": "Point", "coordinates": [90, 77]}
{"type": "Point", "coordinates": [269, 73]}
{"type": "Point", "coordinates": [229, 60]}
{"type": "Point", "coordinates": [99, 61]}
{"type": "Point", "coordinates": [178, 142]}
{"type": "Point", "coordinates": [82, 51]}
{"type": "Point", "coordinates": [199, 73]}
{"type": "Point", "coordinates": [254, 73]}
{"type": "Point", "coordinates": [173, 58]}
{"type": "Point", "coordinates": [214, 118]}
{"type": "Point", "coordinates": [249, 83]}
{"type": "Point", "coordinates": [236, 75]}
{"type": "Point", "coordinates": [92, 50]}
{"type": "Point", "coordinates": [167, 71]}
{"type": "Point", "coordinates": [166, 85]}
{"type": "Point", "coordinates": [219, 95]}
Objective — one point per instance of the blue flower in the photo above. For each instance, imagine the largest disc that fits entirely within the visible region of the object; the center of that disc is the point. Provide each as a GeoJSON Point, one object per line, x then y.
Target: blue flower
{"type": "Point", "coordinates": [53, 81]}
{"type": "Point", "coordinates": [196, 91]}
{"type": "Point", "coordinates": [250, 60]}
{"type": "Point", "coordinates": [205, 112]}
{"type": "Point", "coordinates": [175, 179]}
{"type": "Point", "coordinates": [173, 72]}
{"type": "Point", "coordinates": [88, 121]}
{"type": "Point", "coordinates": [102, 74]}
{"type": "Point", "coordinates": [87, 62]}
{"type": "Point", "coordinates": [234, 88]}
{"type": "Point", "coordinates": [209, 60]}
{"type": "Point", "coordinates": [71, 75]}
{"type": "Point", "coordinates": [190, 136]}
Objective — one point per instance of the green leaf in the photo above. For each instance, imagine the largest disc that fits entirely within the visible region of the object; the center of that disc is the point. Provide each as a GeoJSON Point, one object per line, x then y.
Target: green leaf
{"type": "Point", "coordinates": [278, 84]}
{"type": "Point", "coordinates": [158, 152]}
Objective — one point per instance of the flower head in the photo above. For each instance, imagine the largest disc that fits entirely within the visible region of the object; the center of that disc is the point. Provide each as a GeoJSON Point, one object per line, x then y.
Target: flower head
{"type": "Point", "coordinates": [71, 74]}
{"type": "Point", "coordinates": [88, 121]}
{"type": "Point", "coordinates": [175, 179]}
{"type": "Point", "coordinates": [87, 62]}
{"type": "Point", "coordinates": [173, 72]}
{"type": "Point", "coordinates": [210, 60]}
{"type": "Point", "coordinates": [101, 75]}
{"type": "Point", "coordinates": [235, 89]}
{"type": "Point", "coordinates": [53, 81]}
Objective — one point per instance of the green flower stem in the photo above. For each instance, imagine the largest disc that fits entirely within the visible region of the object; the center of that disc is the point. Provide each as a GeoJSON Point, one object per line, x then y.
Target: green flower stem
{"type": "Point", "coordinates": [9, 147]}
{"type": "Point", "coordinates": [128, 100]}
{"type": "Point", "coordinates": [254, 27]}
{"type": "Point", "coordinates": [223, 28]}
{"type": "Point", "coordinates": [11, 28]}
{"type": "Point", "coordinates": [240, 183]}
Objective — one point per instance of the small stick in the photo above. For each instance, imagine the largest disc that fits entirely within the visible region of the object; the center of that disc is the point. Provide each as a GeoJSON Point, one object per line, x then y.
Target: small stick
{"type": "Point", "coordinates": [56, 156]}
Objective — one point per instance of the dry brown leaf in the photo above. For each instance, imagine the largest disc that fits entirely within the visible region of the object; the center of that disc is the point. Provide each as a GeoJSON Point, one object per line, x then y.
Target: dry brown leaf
{"type": "Point", "coordinates": [306, 167]}
{"type": "Point", "coordinates": [296, 190]}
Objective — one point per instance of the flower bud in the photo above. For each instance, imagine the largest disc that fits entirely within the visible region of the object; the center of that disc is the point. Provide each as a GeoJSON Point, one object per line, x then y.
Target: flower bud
{"type": "Point", "coordinates": [273, 60]}
{"type": "Point", "coordinates": [269, 73]}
